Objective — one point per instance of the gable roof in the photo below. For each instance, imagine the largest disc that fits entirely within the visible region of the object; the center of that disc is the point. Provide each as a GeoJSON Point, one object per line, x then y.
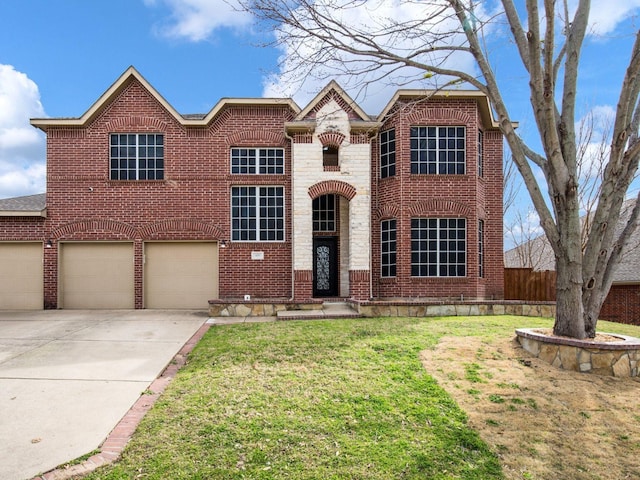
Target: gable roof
{"type": "Point", "coordinates": [337, 89]}
{"type": "Point", "coordinates": [538, 254]}
{"type": "Point", "coordinates": [304, 121]}
{"type": "Point", "coordinates": [484, 107]}
{"type": "Point", "coordinates": [27, 206]}
{"type": "Point", "coordinates": [363, 121]}
{"type": "Point", "coordinates": [131, 74]}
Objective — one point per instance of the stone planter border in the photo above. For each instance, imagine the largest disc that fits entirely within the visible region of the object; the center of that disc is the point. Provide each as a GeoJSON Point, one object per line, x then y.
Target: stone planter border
{"type": "Point", "coordinates": [618, 358]}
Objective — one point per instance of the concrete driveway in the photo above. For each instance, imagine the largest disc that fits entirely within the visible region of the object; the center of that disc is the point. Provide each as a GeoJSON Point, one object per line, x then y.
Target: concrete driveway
{"type": "Point", "coordinates": [67, 377]}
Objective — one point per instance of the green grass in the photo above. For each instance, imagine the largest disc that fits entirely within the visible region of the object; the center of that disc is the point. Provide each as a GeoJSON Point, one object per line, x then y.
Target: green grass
{"type": "Point", "coordinates": [472, 373]}
{"type": "Point", "coordinates": [344, 399]}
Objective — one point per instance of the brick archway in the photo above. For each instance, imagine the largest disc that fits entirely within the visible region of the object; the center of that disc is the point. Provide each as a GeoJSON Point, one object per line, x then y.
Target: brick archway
{"type": "Point", "coordinates": [332, 187]}
{"type": "Point", "coordinates": [181, 225]}
{"type": "Point", "coordinates": [82, 228]}
{"type": "Point", "coordinates": [331, 139]}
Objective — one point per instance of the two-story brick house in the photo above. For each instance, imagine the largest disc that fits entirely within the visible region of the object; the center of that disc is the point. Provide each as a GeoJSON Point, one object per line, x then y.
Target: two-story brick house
{"type": "Point", "coordinates": [149, 208]}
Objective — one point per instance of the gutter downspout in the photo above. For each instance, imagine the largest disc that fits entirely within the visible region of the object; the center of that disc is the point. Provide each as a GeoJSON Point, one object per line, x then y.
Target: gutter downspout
{"type": "Point", "coordinates": [371, 209]}
{"type": "Point", "coordinates": [293, 241]}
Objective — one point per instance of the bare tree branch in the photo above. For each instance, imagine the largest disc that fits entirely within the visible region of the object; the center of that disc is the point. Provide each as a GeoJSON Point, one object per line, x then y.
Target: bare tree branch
{"type": "Point", "coordinates": [321, 37]}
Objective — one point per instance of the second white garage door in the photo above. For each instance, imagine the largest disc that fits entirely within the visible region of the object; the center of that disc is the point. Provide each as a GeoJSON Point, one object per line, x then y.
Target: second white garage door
{"type": "Point", "coordinates": [180, 274]}
{"type": "Point", "coordinates": [96, 275]}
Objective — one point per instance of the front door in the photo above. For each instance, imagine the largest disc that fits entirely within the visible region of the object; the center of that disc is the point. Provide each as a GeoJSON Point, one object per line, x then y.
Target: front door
{"type": "Point", "coordinates": [325, 267]}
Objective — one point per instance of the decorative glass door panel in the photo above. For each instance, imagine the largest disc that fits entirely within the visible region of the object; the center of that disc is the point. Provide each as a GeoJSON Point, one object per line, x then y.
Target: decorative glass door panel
{"type": "Point", "coordinates": [325, 267]}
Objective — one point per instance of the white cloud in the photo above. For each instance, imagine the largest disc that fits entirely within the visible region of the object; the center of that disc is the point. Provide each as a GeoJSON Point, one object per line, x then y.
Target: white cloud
{"type": "Point", "coordinates": [594, 137]}
{"type": "Point", "coordinates": [196, 20]}
{"type": "Point", "coordinates": [528, 225]}
{"type": "Point", "coordinates": [606, 15]}
{"type": "Point", "coordinates": [368, 16]}
{"type": "Point", "coordinates": [22, 147]}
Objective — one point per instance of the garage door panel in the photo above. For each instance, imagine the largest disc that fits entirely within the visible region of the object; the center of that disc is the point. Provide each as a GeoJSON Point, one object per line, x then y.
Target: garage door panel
{"type": "Point", "coordinates": [97, 275]}
{"type": "Point", "coordinates": [21, 276]}
{"type": "Point", "coordinates": [180, 274]}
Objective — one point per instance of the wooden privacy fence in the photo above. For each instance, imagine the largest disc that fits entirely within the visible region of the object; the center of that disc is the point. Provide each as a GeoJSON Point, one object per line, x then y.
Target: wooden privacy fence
{"type": "Point", "coordinates": [527, 284]}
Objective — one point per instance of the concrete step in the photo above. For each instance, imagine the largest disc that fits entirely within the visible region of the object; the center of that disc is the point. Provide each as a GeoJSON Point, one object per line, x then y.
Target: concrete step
{"type": "Point", "coordinates": [328, 310]}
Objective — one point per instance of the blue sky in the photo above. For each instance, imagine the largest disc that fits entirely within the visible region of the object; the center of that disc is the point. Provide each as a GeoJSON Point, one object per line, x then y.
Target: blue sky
{"type": "Point", "coordinates": [58, 56]}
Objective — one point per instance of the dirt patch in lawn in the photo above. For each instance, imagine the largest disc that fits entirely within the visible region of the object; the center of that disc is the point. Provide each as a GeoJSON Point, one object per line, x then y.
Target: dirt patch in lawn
{"type": "Point", "coordinates": [543, 423]}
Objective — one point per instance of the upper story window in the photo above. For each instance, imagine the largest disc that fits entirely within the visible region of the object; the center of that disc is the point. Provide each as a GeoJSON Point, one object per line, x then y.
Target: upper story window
{"type": "Point", "coordinates": [388, 153]}
{"type": "Point", "coordinates": [257, 214]}
{"type": "Point", "coordinates": [324, 213]}
{"type": "Point", "coordinates": [438, 150]}
{"type": "Point", "coordinates": [480, 153]}
{"type": "Point", "coordinates": [438, 247]}
{"type": "Point", "coordinates": [136, 156]}
{"type": "Point", "coordinates": [262, 161]}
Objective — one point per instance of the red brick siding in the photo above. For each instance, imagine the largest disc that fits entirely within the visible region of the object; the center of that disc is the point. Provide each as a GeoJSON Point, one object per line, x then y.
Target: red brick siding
{"type": "Point", "coordinates": [406, 196]}
{"type": "Point", "coordinates": [622, 304]}
{"type": "Point", "coordinates": [191, 203]}
{"type": "Point", "coordinates": [22, 228]}
{"type": "Point", "coordinates": [303, 285]}
{"type": "Point", "coordinates": [359, 281]}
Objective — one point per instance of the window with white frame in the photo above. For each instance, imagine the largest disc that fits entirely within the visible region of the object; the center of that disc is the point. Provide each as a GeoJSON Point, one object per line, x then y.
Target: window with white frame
{"type": "Point", "coordinates": [136, 156]}
{"type": "Point", "coordinates": [388, 153]}
{"type": "Point", "coordinates": [388, 248]}
{"type": "Point", "coordinates": [257, 161]}
{"type": "Point", "coordinates": [257, 214]}
{"type": "Point", "coordinates": [324, 213]}
{"type": "Point", "coordinates": [438, 150]}
{"type": "Point", "coordinates": [438, 247]}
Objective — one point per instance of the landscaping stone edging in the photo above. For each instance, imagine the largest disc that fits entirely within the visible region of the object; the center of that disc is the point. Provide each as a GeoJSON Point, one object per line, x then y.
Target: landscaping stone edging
{"type": "Point", "coordinates": [379, 308]}
{"type": "Point", "coordinates": [617, 359]}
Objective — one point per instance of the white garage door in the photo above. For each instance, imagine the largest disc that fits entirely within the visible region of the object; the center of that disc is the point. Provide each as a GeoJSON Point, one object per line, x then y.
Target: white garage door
{"type": "Point", "coordinates": [21, 276]}
{"type": "Point", "coordinates": [180, 274]}
{"type": "Point", "coordinates": [96, 275]}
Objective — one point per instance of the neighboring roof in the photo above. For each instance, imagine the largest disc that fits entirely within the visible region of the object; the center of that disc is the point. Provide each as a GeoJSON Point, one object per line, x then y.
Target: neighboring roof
{"type": "Point", "coordinates": [538, 254]}
{"type": "Point", "coordinates": [132, 74]}
{"type": "Point", "coordinates": [28, 206]}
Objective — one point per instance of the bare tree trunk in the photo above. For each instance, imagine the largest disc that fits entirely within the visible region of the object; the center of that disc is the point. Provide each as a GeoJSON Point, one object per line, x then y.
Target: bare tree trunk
{"type": "Point", "coordinates": [592, 310]}
{"type": "Point", "coordinates": [569, 309]}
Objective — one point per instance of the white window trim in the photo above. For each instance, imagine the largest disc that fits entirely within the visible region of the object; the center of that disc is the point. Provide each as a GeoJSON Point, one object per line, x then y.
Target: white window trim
{"type": "Point", "coordinates": [257, 160]}
{"type": "Point", "coordinates": [438, 150]}
{"type": "Point", "coordinates": [438, 239]}
{"type": "Point", "coordinates": [137, 157]}
{"type": "Point", "coordinates": [257, 217]}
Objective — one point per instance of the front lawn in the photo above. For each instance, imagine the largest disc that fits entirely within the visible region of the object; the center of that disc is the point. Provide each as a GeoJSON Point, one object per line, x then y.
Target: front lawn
{"type": "Point", "coordinates": [341, 399]}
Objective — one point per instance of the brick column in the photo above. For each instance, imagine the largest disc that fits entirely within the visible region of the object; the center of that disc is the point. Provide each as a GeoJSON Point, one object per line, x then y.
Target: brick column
{"type": "Point", "coordinates": [359, 284]}
{"type": "Point", "coordinates": [303, 285]}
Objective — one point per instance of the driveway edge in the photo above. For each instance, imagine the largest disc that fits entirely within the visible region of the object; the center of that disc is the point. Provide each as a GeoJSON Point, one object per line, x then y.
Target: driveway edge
{"type": "Point", "coordinates": [112, 447]}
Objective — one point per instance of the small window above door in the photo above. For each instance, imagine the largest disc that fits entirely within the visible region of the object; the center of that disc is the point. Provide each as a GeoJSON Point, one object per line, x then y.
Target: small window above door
{"type": "Point", "coordinates": [329, 156]}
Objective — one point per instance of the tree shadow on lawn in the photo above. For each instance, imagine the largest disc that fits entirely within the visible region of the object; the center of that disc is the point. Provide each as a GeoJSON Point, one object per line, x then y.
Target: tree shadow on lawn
{"type": "Point", "coordinates": [544, 423]}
